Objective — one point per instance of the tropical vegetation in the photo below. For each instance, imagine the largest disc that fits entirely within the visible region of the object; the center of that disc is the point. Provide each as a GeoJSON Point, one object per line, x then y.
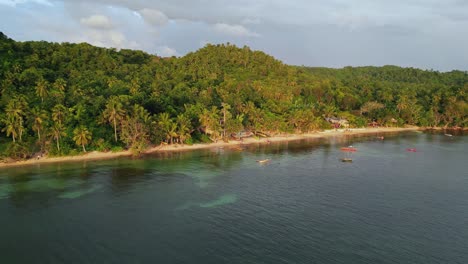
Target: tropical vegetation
{"type": "Point", "coordinates": [63, 99]}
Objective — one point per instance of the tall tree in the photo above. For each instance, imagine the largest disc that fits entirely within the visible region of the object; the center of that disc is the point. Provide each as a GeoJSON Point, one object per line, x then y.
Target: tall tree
{"type": "Point", "coordinates": [59, 114]}
{"type": "Point", "coordinates": [82, 136]}
{"type": "Point", "coordinates": [60, 84]}
{"type": "Point", "coordinates": [15, 111]}
{"type": "Point", "coordinates": [226, 116]}
{"type": "Point", "coordinates": [42, 87]}
{"type": "Point", "coordinates": [166, 124]}
{"type": "Point", "coordinates": [183, 128]}
{"type": "Point", "coordinates": [114, 113]}
{"type": "Point", "coordinates": [57, 132]}
{"type": "Point", "coordinates": [10, 128]}
{"type": "Point", "coordinates": [38, 116]}
{"type": "Point", "coordinates": [210, 121]}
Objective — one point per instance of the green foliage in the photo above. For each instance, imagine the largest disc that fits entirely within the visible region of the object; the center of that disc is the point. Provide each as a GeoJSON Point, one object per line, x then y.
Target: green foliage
{"type": "Point", "coordinates": [117, 149]}
{"type": "Point", "coordinates": [102, 145]}
{"type": "Point", "coordinates": [189, 141]}
{"type": "Point", "coordinates": [205, 139]}
{"type": "Point", "coordinates": [18, 150]}
{"type": "Point", "coordinates": [130, 99]}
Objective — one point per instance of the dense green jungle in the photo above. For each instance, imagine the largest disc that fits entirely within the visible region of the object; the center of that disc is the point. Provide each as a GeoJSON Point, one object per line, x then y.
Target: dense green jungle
{"type": "Point", "coordinates": [65, 99]}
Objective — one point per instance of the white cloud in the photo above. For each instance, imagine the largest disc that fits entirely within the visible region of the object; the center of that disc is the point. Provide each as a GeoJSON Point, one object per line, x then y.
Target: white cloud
{"type": "Point", "coordinates": [234, 30]}
{"type": "Point", "coordinates": [165, 51]}
{"type": "Point", "coordinates": [97, 22]}
{"type": "Point", "coordinates": [17, 2]}
{"type": "Point", "coordinates": [109, 38]}
{"type": "Point", "coordinates": [320, 32]}
{"type": "Point", "coordinates": [153, 17]}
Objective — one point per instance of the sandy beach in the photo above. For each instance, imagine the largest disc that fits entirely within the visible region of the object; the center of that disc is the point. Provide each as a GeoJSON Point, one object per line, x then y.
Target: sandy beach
{"type": "Point", "coordinates": [95, 155]}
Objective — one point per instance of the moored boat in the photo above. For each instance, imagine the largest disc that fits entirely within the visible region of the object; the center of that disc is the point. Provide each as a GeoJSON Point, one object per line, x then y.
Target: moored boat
{"type": "Point", "coordinates": [349, 149]}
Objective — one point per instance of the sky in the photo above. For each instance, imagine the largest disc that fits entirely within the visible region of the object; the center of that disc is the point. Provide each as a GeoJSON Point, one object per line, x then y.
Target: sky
{"type": "Point", "coordinates": [427, 34]}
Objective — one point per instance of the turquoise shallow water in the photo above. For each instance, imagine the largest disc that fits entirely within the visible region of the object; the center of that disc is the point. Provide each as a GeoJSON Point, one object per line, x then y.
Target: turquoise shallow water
{"type": "Point", "coordinates": [220, 206]}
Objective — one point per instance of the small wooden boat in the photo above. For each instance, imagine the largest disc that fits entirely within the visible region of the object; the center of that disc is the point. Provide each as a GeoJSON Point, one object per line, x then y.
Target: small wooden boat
{"type": "Point", "coordinates": [449, 135]}
{"type": "Point", "coordinates": [263, 161]}
{"type": "Point", "coordinates": [346, 160]}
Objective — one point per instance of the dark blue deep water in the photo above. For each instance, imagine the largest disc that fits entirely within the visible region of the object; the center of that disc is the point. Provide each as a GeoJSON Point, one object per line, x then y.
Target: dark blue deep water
{"type": "Point", "coordinates": [220, 206]}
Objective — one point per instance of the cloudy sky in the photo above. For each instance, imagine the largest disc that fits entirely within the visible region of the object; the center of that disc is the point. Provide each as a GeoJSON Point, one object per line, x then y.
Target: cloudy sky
{"type": "Point", "coordinates": [428, 34]}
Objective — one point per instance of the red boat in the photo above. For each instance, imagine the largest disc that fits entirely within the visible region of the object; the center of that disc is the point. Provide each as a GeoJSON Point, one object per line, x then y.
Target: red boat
{"type": "Point", "coordinates": [349, 149]}
{"type": "Point", "coordinates": [411, 149]}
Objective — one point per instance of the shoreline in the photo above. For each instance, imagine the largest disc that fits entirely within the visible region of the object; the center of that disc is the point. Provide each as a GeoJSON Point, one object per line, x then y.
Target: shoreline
{"type": "Point", "coordinates": [95, 155]}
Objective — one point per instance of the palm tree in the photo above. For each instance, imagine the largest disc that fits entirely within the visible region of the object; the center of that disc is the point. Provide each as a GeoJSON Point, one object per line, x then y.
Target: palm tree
{"type": "Point", "coordinates": [114, 113]}
{"type": "Point", "coordinates": [205, 118]}
{"type": "Point", "coordinates": [403, 103]}
{"type": "Point", "coordinates": [183, 128]}
{"type": "Point", "coordinates": [140, 113]}
{"type": "Point", "coordinates": [134, 86]}
{"type": "Point", "coordinates": [10, 128]}
{"type": "Point", "coordinates": [172, 132]}
{"type": "Point", "coordinates": [226, 114]}
{"type": "Point", "coordinates": [59, 113]}
{"type": "Point", "coordinates": [15, 111]}
{"type": "Point", "coordinates": [209, 119]}
{"type": "Point", "coordinates": [165, 123]}
{"type": "Point", "coordinates": [16, 107]}
{"type": "Point", "coordinates": [57, 133]}
{"type": "Point", "coordinates": [60, 84]}
{"type": "Point", "coordinates": [42, 89]}
{"type": "Point", "coordinates": [38, 118]}
{"type": "Point", "coordinates": [82, 136]}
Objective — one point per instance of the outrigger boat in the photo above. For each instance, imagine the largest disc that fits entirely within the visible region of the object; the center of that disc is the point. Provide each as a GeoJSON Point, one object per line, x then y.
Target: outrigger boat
{"type": "Point", "coordinates": [348, 150]}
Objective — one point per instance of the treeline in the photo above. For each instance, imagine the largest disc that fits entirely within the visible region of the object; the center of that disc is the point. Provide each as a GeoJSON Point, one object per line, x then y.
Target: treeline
{"type": "Point", "coordinates": [66, 98]}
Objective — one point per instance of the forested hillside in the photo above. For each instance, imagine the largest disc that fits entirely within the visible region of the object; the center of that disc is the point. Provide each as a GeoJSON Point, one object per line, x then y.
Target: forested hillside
{"type": "Point", "coordinates": [67, 98]}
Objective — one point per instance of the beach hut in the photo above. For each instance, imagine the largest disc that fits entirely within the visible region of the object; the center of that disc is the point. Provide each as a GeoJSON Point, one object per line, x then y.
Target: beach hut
{"type": "Point", "coordinates": [338, 122]}
{"type": "Point", "coordinates": [242, 134]}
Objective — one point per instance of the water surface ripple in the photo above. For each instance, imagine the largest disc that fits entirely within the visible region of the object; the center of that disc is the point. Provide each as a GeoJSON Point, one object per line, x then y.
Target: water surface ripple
{"type": "Point", "coordinates": [220, 206]}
